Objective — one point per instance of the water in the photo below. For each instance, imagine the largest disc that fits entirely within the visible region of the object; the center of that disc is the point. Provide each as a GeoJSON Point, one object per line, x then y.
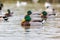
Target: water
{"type": "Point", "coordinates": [12, 30]}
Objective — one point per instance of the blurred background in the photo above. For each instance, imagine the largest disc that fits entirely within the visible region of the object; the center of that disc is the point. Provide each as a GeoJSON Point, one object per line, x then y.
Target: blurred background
{"type": "Point", "coordinates": [31, 4]}
{"type": "Point", "coordinates": [29, 1]}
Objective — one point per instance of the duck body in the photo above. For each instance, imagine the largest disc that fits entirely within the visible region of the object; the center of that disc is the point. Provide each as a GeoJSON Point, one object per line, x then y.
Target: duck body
{"type": "Point", "coordinates": [26, 22]}
{"type": "Point", "coordinates": [8, 15]}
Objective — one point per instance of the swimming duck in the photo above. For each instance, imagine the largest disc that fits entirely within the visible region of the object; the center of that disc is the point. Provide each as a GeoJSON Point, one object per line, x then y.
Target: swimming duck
{"type": "Point", "coordinates": [26, 21]}
{"type": "Point", "coordinates": [9, 13]}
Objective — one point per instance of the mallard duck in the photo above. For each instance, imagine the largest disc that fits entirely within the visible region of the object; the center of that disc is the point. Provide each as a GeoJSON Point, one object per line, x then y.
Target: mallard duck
{"type": "Point", "coordinates": [26, 22]}
{"type": "Point", "coordinates": [9, 13]}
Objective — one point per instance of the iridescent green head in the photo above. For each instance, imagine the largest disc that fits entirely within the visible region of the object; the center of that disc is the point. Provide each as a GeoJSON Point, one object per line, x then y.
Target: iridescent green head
{"type": "Point", "coordinates": [29, 12]}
